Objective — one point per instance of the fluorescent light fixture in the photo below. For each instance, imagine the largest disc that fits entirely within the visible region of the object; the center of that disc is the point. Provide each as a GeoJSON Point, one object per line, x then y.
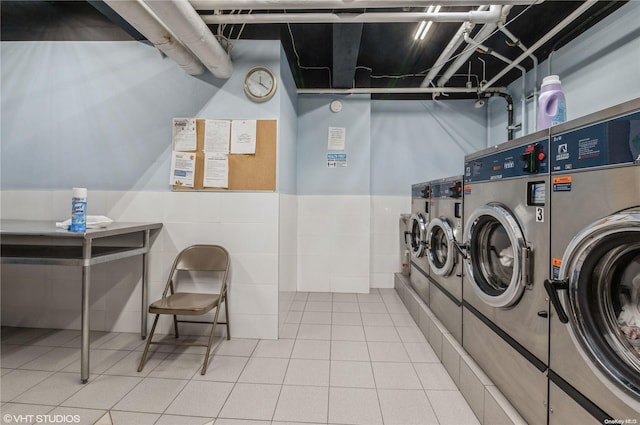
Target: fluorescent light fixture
{"type": "Point", "coordinates": [424, 26]}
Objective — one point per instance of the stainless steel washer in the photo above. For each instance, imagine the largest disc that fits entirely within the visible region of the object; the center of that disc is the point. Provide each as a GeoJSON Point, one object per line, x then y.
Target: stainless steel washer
{"type": "Point", "coordinates": [595, 268]}
{"type": "Point", "coordinates": [444, 234]}
{"type": "Point", "coordinates": [506, 236]}
{"type": "Point", "coordinates": [420, 207]}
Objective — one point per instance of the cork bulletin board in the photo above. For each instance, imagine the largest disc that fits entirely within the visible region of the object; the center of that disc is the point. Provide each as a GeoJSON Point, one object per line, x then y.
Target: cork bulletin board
{"type": "Point", "coordinates": [246, 171]}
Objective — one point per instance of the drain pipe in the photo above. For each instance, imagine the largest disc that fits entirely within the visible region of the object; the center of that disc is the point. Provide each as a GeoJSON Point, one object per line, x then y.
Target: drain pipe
{"type": "Point", "coordinates": [185, 22]}
{"type": "Point", "coordinates": [448, 51]}
{"type": "Point", "coordinates": [534, 59]}
{"type": "Point", "coordinates": [143, 20]}
{"type": "Point", "coordinates": [484, 49]}
{"type": "Point", "coordinates": [507, 97]}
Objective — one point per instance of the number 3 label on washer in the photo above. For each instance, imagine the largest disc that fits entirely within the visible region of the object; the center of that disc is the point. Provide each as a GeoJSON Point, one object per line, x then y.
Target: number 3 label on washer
{"type": "Point", "coordinates": [539, 215]}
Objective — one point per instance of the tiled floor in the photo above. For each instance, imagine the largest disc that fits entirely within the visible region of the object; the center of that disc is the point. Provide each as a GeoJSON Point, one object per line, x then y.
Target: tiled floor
{"type": "Point", "coordinates": [341, 359]}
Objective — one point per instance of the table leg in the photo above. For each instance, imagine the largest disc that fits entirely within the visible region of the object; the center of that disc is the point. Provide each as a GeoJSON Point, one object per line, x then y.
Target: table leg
{"type": "Point", "coordinates": [86, 283]}
{"type": "Point", "coordinates": [145, 285]}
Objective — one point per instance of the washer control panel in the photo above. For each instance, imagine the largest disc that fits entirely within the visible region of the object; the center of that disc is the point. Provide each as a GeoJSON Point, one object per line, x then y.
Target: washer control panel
{"type": "Point", "coordinates": [520, 161]}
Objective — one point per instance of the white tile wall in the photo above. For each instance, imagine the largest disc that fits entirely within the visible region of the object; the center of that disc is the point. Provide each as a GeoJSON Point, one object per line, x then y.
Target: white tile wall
{"type": "Point", "coordinates": [334, 243]}
{"type": "Point", "coordinates": [245, 223]}
{"type": "Point", "coordinates": [279, 243]}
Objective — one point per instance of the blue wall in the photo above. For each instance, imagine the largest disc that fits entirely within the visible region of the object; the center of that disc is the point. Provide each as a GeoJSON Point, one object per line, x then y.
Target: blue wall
{"type": "Point", "coordinates": [91, 114]}
{"type": "Point", "coordinates": [416, 141]}
{"type": "Point", "coordinates": [314, 120]}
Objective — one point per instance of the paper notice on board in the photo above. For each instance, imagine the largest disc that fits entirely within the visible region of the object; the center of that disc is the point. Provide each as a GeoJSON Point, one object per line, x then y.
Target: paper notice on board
{"type": "Point", "coordinates": [336, 138]}
{"type": "Point", "coordinates": [184, 134]}
{"type": "Point", "coordinates": [243, 136]}
{"type": "Point", "coordinates": [216, 170]}
{"type": "Point", "coordinates": [183, 166]}
{"type": "Point", "coordinates": [217, 134]}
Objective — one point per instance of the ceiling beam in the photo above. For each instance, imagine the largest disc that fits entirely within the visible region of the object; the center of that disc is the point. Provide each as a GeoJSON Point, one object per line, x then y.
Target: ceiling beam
{"type": "Point", "coordinates": [346, 46]}
{"type": "Point", "coordinates": [339, 4]}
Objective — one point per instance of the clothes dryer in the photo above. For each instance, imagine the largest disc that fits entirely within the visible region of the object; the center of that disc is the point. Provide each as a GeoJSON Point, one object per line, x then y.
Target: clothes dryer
{"type": "Point", "coordinates": [444, 234]}
{"type": "Point", "coordinates": [595, 253]}
{"type": "Point", "coordinates": [420, 207]}
{"type": "Point", "coordinates": [506, 239]}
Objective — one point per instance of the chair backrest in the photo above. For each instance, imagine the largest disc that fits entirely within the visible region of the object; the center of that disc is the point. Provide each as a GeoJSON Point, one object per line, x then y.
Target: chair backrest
{"type": "Point", "coordinates": [201, 257]}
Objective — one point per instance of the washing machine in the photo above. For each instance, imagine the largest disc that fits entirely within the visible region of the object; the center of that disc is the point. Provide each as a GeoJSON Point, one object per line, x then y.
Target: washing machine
{"type": "Point", "coordinates": [594, 363]}
{"type": "Point", "coordinates": [506, 239]}
{"type": "Point", "coordinates": [444, 235]}
{"type": "Point", "coordinates": [420, 207]}
{"type": "Point", "coordinates": [404, 232]}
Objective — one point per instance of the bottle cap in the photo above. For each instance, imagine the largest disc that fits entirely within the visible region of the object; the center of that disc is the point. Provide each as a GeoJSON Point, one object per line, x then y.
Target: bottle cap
{"type": "Point", "coordinates": [79, 192]}
{"type": "Point", "coordinates": [550, 79]}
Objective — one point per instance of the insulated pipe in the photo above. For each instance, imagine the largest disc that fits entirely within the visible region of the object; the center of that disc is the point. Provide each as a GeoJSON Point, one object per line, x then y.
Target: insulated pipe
{"type": "Point", "coordinates": [446, 54]}
{"type": "Point", "coordinates": [534, 59]}
{"type": "Point", "coordinates": [493, 53]}
{"type": "Point", "coordinates": [399, 90]}
{"type": "Point", "coordinates": [492, 15]}
{"type": "Point", "coordinates": [483, 34]}
{"type": "Point", "coordinates": [143, 20]}
{"type": "Point", "coordinates": [185, 22]}
{"type": "Point", "coordinates": [339, 4]}
{"type": "Point", "coordinates": [579, 11]}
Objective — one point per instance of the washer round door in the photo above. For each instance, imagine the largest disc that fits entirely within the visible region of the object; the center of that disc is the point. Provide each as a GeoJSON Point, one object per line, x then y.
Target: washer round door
{"type": "Point", "coordinates": [601, 267]}
{"type": "Point", "coordinates": [441, 242]}
{"type": "Point", "coordinates": [497, 261]}
{"type": "Point", "coordinates": [418, 235]}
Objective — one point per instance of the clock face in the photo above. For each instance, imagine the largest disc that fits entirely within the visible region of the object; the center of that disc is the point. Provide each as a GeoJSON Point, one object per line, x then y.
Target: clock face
{"type": "Point", "coordinates": [260, 84]}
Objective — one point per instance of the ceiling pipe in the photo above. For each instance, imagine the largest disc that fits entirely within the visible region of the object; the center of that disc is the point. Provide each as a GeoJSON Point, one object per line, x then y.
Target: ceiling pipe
{"type": "Point", "coordinates": [184, 21]}
{"type": "Point", "coordinates": [483, 34]}
{"type": "Point", "coordinates": [145, 22]}
{"type": "Point", "coordinates": [485, 49]}
{"type": "Point", "coordinates": [446, 54]}
{"type": "Point", "coordinates": [399, 90]}
{"type": "Point", "coordinates": [534, 59]}
{"type": "Point", "coordinates": [565, 22]}
{"type": "Point", "coordinates": [339, 4]}
{"type": "Point", "coordinates": [491, 15]}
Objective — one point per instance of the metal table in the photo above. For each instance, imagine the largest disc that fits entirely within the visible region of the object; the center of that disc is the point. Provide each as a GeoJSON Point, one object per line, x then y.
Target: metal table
{"type": "Point", "coordinates": [41, 243]}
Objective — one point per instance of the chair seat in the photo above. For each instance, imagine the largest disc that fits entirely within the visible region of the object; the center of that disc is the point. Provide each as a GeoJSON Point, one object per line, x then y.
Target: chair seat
{"type": "Point", "coordinates": [185, 304]}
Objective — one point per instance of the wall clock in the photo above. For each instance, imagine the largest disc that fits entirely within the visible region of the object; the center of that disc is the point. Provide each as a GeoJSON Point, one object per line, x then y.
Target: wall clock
{"type": "Point", "coordinates": [260, 84]}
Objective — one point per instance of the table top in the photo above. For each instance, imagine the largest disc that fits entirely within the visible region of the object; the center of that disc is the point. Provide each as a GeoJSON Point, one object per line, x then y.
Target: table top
{"type": "Point", "coordinates": [49, 229]}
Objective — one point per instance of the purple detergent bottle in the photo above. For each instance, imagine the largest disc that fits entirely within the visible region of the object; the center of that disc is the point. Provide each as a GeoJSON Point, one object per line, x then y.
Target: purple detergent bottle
{"type": "Point", "coordinates": [552, 106]}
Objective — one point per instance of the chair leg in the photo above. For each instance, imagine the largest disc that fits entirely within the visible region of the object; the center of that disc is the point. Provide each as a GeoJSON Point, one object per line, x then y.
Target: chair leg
{"type": "Point", "coordinates": [146, 348]}
{"type": "Point", "coordinates": [226, 311]}
{"type": "Point", "coordinates": [175, 325]}
{"type": "Point", "coordinates": [213, 330]}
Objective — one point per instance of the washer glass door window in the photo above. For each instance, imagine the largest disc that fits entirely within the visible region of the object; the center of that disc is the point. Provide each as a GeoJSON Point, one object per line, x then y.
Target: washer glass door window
{"type": "Point", "coordinates": [418, 235]}
{"type": "Point", "coordinates": [602, 268]}
{"type": "Point", "coordinates": [497, 260]}
{"type": "Point", "coordinates": [441, 252]}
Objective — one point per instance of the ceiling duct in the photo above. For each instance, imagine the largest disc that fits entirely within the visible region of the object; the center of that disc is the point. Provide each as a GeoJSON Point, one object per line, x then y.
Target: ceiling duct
{"type": "Point", "coordinates": [145, 22]}
{"type": "Point", "coordinates": [182, 19]}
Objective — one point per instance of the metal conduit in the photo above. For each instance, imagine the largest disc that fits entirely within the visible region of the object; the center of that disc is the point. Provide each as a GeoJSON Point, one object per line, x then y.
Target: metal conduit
{"type": "Point", "coordinates": [491, 15]}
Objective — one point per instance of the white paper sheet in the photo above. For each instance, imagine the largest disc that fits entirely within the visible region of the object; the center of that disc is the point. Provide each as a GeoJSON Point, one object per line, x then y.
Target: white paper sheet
{"type": "Point", "coordinates": [216, 170]}
{"type": "Point", "coordinates": [336, 138]}
{"type": "Point", "coordinates": [183, 166]}
{"type": "Point", "coordinates": [217, 134]}
{"type": "Point", "coordinates": [243, 136]}
{"type": "Point", "coordinates": [184, 134]}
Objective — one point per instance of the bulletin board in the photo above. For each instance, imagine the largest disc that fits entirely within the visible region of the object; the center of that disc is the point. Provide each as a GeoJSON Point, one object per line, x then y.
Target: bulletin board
{"type": "Point", "coordinates": [246, 171]}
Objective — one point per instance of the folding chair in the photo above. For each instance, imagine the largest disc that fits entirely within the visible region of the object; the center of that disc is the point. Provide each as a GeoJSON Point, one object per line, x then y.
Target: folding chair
{"type": "Point", "coordinates": [196, 258]}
